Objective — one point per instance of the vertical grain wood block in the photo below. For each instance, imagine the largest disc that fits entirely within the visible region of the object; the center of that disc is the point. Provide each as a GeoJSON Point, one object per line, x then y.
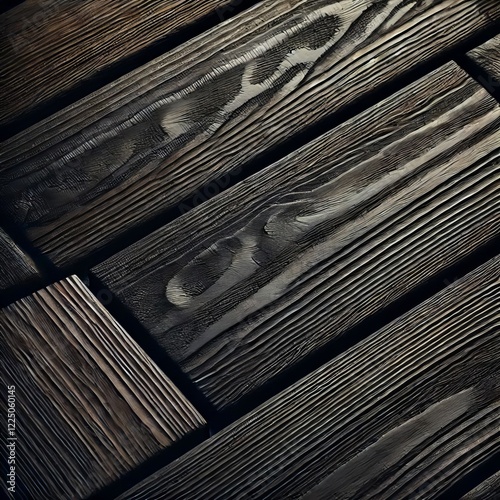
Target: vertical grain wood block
{"type": "Point", "coordinates": [90, 405]}
{"type": "Point", "coordinates": [16, 268]}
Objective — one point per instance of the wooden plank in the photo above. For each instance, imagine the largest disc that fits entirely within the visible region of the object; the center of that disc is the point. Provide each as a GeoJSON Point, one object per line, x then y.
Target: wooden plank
{"type": "Point", "coordinates": [90, 405]}
{"type": "Point", "coordinates": [403, 414]}
{"type": "Point", "coordinates": [487, 56]}
{"type": "Point", "coordinates": [53, 45]}
{"type": "Point", "coordinates": [113, 161]}
{"type": "Point", "coordinates": [487, 490]}
{"type": "Point", "coordinates": [244, 286]}
{"type": "Point", "coordinates": [16, 268]}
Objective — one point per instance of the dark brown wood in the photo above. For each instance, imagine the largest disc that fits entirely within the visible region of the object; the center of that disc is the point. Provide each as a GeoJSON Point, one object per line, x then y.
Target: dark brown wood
{"type": "Point", "coordinates": [247, 284]}
{"type": "Point", "coordinates": [487, 56]}
{"type": "Point", "coordinates": [403, 414]}
{"type": "Point", "coordinates": [16, 268]}
{"type": "Point", "coordinates": [90, 405]}
{"type": "Point", "coordinates": [49, 46]}
{"type": "Point", "coordinates": [487, 490]}
{"type": "Point", "coordinates": [128, 153]}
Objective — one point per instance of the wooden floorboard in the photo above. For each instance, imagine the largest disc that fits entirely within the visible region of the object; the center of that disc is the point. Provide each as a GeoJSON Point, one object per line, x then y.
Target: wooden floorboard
{"type": "Point", "coordinates": [90, 405]}
{"type": "Point", "coordinates": [52, 45]}
{"type": "Point", "coordinates": [403, 414]}
{"type": "Point", "coordinates": [121, 157]}
{"type": "Point", "coordinates": [244, 286]}
{"type": "Point", "coordinates": [16, 267]}
{"type": "Point", "coordinates": [487, 490]}
{"type": "Point", "coordinates": [487, 56]}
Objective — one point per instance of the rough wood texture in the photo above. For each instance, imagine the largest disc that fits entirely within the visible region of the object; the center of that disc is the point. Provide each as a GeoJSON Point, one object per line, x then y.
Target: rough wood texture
{"type": "Point", "coordinates": [403, 414]}
{"type": "Point", "coordinates": [111, 162]}
{"type": "Point", "coordinates": [296, 255]}
{"type": "Point", "coordinates": [90, 405]}
{"type": "Point", "coordinates": [488, 490]}
{"type": "Point", "coordinates": [52, 45]}
{"type": "Point", "coordinates": [488, 57]}
{"type": "Point", "coordinates": [16, 267]}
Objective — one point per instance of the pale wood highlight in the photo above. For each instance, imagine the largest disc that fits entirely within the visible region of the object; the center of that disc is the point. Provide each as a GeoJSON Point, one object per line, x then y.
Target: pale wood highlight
{"type": "Point", "coordinates": [403, 414]}
{"type": "Point", "coordinates": [305, 250]}
{"type": "Point", "coordinates": [113, 161]}
{"type": "Point", "coordinates": [90, 404]}
{"type": "Point", "coordinates": [53, 45]}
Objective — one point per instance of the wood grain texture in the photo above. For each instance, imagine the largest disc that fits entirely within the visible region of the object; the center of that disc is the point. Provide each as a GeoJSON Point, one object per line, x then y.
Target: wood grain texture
{"type": "Point", "coordinates": [79, 179]}
{"type": "Point", "coordinates": [16, 268]}
{"type": "Point", "coordinates": [487, 490]}
{"type": "Point", "coordinates": [403, 414]}
{"type": "Point", "coordinates": [487, 56]}
{"type": "Point", "coordinates": [301, 252]}
{"type": "Point", "coordinates": [52, 45]}
{"type": "Point", "coordinates": [90, 405]}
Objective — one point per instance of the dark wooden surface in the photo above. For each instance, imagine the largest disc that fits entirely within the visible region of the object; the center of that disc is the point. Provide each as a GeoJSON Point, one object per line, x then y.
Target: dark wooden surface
{"type": "Point", "coordinates": [115, 160]}
{"type": "Point", "coordinates": [296, 271]}
{"type": "Point", "coordinates": [487, 56]}
{"type": "Point", "coordinates": [16, 268]}
{"type": "Point", "coordinates": [52, 45]}
{"type": "Point", "coordinates": [247, 284]}
{"type": "Point", "coordinates": [403, 414]}
{"type": "Point", "coordinates": [90, 405]}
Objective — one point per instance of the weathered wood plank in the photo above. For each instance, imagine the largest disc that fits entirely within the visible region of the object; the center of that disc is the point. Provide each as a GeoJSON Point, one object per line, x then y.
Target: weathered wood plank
{"type": "Point", "coordinates": [245, 285]}
{"type": "Point", "coordinates": [403, 414]}
{"type": "Point", "coordinates": [111, 162]}
{"type": "Point", "coordinates": [90, 405]}
{"type": "Point", "coordinates": [52, 45]}
{"type": "Point", "coordinates": [487, 490]}
{"type": "Point", "coordinates": [16, 268]}
{"type": "Point", "coordinates": [487, 56]}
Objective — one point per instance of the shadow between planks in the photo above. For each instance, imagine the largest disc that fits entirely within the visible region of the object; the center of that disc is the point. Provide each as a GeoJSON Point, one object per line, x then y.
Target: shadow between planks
{"type": "Point", "coordinates": [489, 489]}
{"type": "Point", "coordinates": [153, 128]}
{"type": "Point", "coordinates": [406, 412]}
{"type": "Point", "coordinates": [483, 63]}
{"type": "Point", "coordinates": [300, 253]}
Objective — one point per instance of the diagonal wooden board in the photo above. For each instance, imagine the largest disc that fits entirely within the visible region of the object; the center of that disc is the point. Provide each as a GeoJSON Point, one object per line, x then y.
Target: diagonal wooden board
{"type": "Point", "coordinates": [16, 268]}
{"type": "Point", "coordinates": [403, 414]}
{"type": "Point", "coordinates": [52, 45]}
{"type": "Point", "coordinates": [249, 283]}
{"type": "Point", "coordinates": [113, 161]}
{"type": "Point", "coordinates": [487, 56]}
{"type": "Point", "coordinates": [487, 490]}
{"type": "Point", "coordinates": [89, 404]}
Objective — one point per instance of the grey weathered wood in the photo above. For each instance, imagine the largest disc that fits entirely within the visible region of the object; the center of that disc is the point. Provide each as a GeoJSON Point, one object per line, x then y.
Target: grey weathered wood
{"type": "Point", "coordinates": [16, 268]}
{"type": "Point", "coordinates": [127, 153]}
{"type": "Point", "coordinates": [247, 284]}
{"type": "Point", "coordinates": [487, 56]}
{"type": "Point", "coordinates": [487, 490]}
{"type": "Point", "coordinates": [403, 414]}
{"type": "Point", "coordinates": [90, 405]}
{"type": "Point", "coordinates": [52, 45]}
